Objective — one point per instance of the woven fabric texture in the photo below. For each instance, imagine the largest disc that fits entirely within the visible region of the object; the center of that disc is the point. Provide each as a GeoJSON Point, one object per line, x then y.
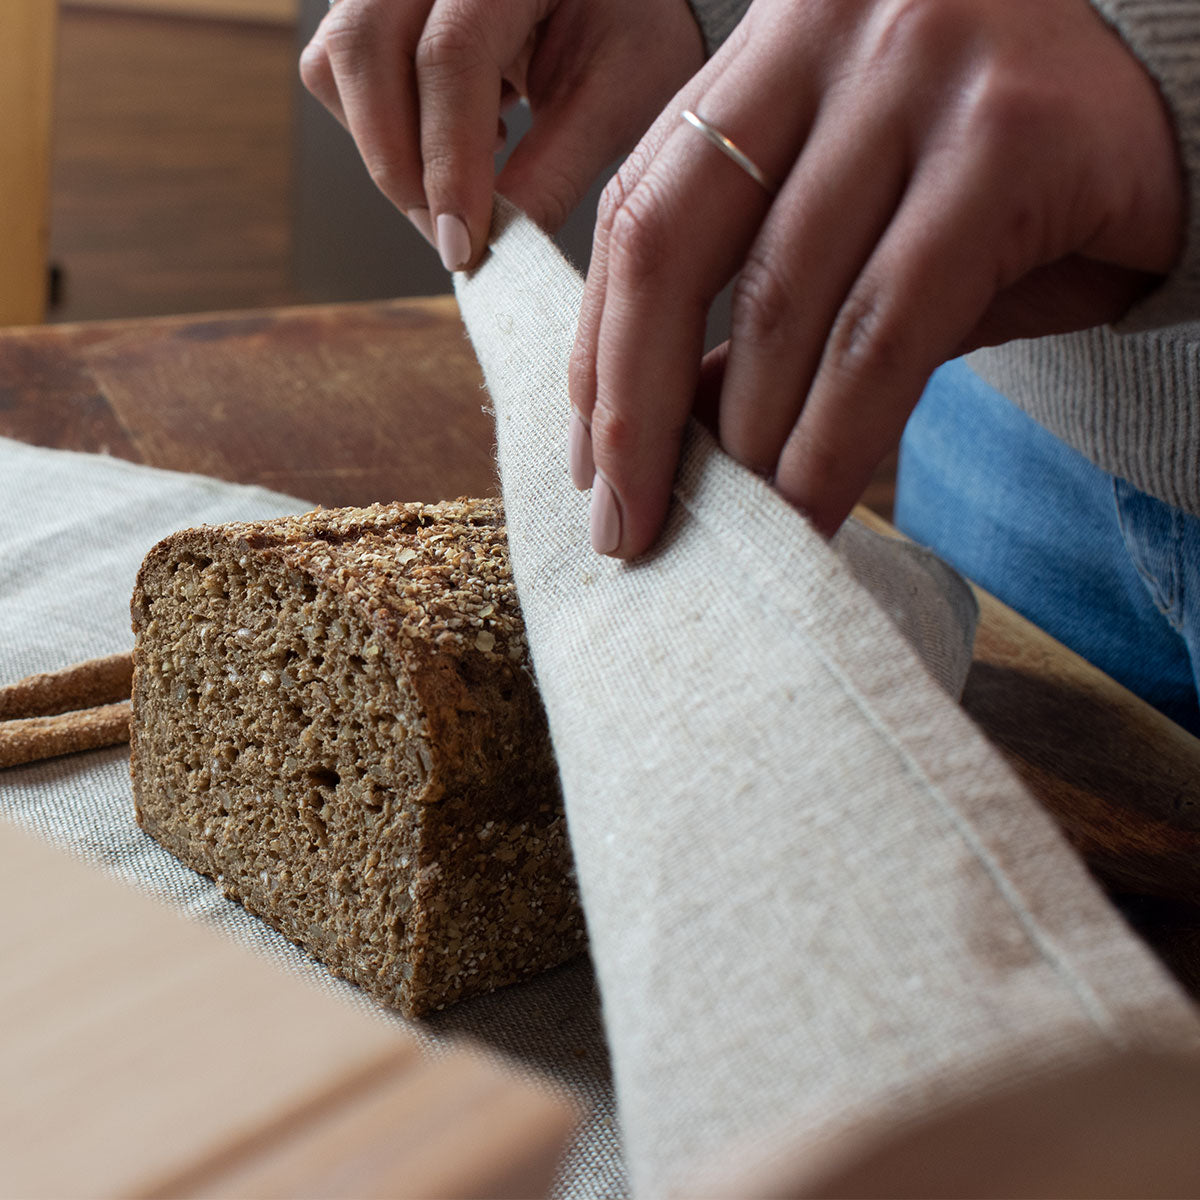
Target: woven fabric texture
{"type": "Point", "coordinates": [813, 888]}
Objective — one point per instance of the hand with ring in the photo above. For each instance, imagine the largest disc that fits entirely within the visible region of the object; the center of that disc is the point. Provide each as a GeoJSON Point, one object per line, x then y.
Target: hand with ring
{"type": "Point", "coordinates": [949, 174]}
{"type": "Point", "coordinates": [422, 85]}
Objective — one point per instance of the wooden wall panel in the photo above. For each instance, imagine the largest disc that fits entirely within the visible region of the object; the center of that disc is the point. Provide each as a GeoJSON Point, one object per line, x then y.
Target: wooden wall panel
{"type": "Point", "coordinates": [270, 12]}
{"type": "Point", "coordinates": [26, 101]}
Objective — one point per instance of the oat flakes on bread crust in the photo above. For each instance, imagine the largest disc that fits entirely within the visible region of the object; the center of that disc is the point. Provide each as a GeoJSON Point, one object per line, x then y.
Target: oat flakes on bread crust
{"type": "Point", "coordinates": [334, 716]}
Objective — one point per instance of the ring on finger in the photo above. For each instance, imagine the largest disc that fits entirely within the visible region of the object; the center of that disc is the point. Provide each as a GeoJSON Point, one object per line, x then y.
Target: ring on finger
{"type": "Point", "coordinates": [729, 148]}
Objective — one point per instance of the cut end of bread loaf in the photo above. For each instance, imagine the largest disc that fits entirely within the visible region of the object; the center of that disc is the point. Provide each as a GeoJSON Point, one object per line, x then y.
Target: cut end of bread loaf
{"type": "Point", "coordinates": [334, 716]}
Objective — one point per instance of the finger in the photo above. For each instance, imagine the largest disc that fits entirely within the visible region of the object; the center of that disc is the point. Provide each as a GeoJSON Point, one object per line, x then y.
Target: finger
{"type": "Point", "coordinates": [578, 132]}
{"type": "Point", "coordinates": [706, 408]}
{"type": "Point", "coordinates": [460, 60]}
{"type": "Point", "coordinates": [814, 243]}
{"type": "Point", "coordinates": [316, 73]}
{"type": "Point", "coordinates": [565, 150]}
{"type": "Point", "coordinates": [582, 367]}
{"type": "Point", "coordinates": [370, 44]}
{"type": "Point", "coordinates": [676, 241]}
{"type": "Point", "coordinates": [922, 291]}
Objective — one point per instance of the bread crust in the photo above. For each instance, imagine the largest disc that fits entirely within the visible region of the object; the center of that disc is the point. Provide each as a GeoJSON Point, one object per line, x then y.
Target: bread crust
{"type": "Point", "coordinates": [335, 717]}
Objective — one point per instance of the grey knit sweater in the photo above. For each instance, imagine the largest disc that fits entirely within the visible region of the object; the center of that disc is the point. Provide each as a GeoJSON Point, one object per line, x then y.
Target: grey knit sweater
{"type": "Point", "coordinates": [1127, 396]}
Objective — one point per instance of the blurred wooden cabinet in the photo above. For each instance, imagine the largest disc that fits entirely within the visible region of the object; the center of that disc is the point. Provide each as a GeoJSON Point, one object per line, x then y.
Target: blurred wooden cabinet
{"type": "Point", "coordinates": [268, 12]}
{"type": "Point", "coordinates": [26, 104]}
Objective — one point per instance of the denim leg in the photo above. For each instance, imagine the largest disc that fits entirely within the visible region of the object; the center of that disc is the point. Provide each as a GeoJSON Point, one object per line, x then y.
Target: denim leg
{"type": "Point", "coordinates": [1040, 527]}
{"type": "Point", "coordinates": [1163, 543]}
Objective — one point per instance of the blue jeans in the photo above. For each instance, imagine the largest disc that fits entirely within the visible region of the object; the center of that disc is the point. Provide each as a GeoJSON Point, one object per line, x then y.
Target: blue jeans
{"type": "Point", "coordinates": [1106, 569]}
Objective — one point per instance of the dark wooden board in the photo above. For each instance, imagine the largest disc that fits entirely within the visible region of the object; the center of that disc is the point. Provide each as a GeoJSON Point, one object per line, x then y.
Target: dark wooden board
{"type": "Point", "coordinates": [339, 405]}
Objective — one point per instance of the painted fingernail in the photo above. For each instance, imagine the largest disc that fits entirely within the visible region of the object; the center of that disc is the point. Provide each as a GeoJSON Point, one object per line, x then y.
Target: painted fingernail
{"type": "Point", "coordinates": [424, 222]}
{"type": "Point", "coordinates": [583, 469]}
{"type": "Point", "coordinates": [605, 517]}
{"type": "Point", "coordinates": [454, 242]}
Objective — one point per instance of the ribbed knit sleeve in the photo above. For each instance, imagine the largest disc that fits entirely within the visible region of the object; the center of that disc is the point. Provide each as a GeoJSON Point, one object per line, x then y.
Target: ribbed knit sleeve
{"type": "Point", "coordinates": [716, 19]}
{"type": "Point", "coordinates": [1165, 36]}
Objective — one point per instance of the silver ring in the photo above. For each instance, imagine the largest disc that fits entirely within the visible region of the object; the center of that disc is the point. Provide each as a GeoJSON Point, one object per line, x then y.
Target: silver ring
{"type": "Point", "coordinates": [731, 151]}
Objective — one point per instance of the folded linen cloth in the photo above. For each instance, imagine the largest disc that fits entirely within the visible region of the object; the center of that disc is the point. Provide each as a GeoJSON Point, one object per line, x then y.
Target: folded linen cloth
{"type": "Point", "coordinates": [813, 888]}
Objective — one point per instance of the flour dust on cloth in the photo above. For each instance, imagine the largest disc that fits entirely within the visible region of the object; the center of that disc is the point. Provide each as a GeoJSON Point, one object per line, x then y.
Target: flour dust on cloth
{"type": "Point", "coordinates": [73, 531]}
{"type": "Point", "coordinates": [814, 890]}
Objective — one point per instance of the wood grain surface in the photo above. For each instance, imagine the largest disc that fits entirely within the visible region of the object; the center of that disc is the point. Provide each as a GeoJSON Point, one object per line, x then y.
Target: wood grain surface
{"type": "Point", "coordinates": [349, 404]}
{"type": "Point", "coordinates": [144, 1055]}
{"type": "Point", "coordinates": [27, 45]}
{"type": "Point", "coordinates": [345, 404]}
{"type": "Point", "coordinates": [270, 12]}
{"type": "Point", "coordinates": [173, 157]}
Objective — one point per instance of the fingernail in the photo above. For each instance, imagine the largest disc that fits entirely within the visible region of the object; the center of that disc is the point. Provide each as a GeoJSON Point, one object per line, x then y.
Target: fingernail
{"type": "Point", "coordinates": [454, 242]}
{"type": "Point", "coordinates": [605, 517]}
{"type": "Point", "coordinates": [583, 469]}
{"type": "Point", "coordinates": [424, 222]}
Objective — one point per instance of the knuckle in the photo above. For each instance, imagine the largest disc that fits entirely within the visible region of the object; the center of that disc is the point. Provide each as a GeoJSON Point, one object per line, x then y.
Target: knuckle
{"type": "Point", "coordinates": [349, 34]}
{"type": "Point", "coordinates": [639, 241]}
{"type": "Point", "coordinates": [867, 338]}
{"type": "Point", "coordinates": [611, 199]}
{"type": "Point", "coordinates": [904, 29]}
{"type": "Point", "coordinates": [439, 158]}
{"type": "Point", "coordinates": [315, 71]}
{"type": "Point", "coordinates": [449, 46]}
{"type": "Point", "coordinates": [765, 308]}
{"type": "Point", "coordinates": [388, 175]}
{"type": "Point", "coordinates": [614, 433]}
{"type": "Point", "coordinates": [581, 380]}
{"type": "Point", "coordinates": [1006, 110]}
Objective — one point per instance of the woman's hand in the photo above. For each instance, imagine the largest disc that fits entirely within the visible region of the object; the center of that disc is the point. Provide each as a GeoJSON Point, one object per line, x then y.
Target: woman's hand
{"type": "Point", "coordinates": [422, 86]}
{"type": "Point", "coordinates": [952, 173]}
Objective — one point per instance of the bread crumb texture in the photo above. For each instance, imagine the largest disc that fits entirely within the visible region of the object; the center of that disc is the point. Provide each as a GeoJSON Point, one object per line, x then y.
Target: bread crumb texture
{"type": "Point", "coordinates": [334, 717]}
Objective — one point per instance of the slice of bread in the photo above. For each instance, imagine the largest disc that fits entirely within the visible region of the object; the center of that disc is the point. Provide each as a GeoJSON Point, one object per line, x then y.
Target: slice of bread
{"type": "Point", "coordinates": [334, 716]}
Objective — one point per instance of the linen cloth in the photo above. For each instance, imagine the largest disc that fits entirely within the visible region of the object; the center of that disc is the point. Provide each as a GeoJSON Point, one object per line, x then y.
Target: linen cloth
{"type": "Point", "coordinates": [813, 889]}
{"type": "Point", "coordinates": [73, 531]}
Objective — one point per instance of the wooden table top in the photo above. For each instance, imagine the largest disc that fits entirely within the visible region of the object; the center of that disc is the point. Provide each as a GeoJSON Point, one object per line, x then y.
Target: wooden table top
{"type": "Point", "coordinates": [345, 404]}
{"type": "Point", "coordinates": [349, 404]}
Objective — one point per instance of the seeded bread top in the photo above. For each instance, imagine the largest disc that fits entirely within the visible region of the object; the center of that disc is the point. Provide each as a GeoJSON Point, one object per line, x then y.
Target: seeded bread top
{"type": "Point", "coordinates": [426, 575]}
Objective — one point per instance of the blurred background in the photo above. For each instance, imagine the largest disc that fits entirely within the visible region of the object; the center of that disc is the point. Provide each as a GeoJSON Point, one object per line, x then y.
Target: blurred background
{"type": "Point", "coordinates": [188, 170]}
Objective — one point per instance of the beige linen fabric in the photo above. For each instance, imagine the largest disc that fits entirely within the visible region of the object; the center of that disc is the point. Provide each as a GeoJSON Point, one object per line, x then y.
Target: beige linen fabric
{"type": "Point", "coordinates": [73, 531]}
{"type": "Point", "coordinates": [813, 888]}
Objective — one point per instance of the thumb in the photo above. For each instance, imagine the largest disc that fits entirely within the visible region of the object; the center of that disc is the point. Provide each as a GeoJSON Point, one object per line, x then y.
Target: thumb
{"type": "Point", "coordinates": [565, 151]}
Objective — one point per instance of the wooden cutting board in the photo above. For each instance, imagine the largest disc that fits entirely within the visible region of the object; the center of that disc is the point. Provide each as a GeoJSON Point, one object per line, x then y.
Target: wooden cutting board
{"type": "Point", "coordinates": [143, 1055]}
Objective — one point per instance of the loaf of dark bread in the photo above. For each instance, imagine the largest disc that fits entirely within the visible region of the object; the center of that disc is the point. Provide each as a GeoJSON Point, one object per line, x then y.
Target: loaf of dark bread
{"type": "Point", "coordinates": [334, 717]}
